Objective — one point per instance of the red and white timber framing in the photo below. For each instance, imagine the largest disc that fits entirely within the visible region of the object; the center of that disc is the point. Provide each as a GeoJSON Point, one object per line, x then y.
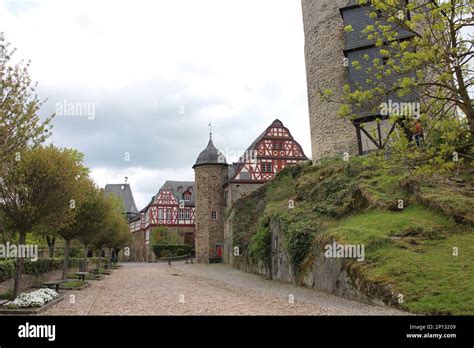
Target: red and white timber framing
{"type": "Point", "coordinates": [275, 150]}
{"type": "Point", "coordinates": [165, 210]}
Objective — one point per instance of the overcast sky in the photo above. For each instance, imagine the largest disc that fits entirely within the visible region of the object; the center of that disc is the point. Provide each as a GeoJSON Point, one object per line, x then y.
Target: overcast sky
{"type": "Point", "coordinates": [151, 75]}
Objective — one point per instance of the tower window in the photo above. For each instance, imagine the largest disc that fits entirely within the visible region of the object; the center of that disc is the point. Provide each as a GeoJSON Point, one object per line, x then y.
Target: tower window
{"type": "Point", "coordinates": [213, 215]}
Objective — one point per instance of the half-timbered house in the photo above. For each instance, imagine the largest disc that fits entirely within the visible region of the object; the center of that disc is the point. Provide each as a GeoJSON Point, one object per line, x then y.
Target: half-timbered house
{"type": "Point", "coordinates": [173, 208]}
{"type": "Point", "coordinates": [271, 152]}
{"type": "Point", "coordinates": [219, 185]}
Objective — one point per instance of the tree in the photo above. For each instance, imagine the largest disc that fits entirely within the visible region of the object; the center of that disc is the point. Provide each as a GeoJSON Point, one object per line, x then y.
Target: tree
{"type": "Point", "coordinates": [39, 191]}
{"type": "Point", "coordinates": [115, 226]}
{"type": "Point", "coordinates": [433, 61]}
{"type": "Point", "coordinates": [161, 235]}
{"type": "Point", "coordinates": [92, 219]}
{"type": "Point", "coordinates": [79, 225]}
{"type": "Point", "coordinates": [20, 124]}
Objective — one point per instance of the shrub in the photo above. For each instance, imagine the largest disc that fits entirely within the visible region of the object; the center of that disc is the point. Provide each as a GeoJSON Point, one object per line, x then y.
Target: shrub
{"type": "Point", "coordinates": [7, 269]}
{"type": "Point", "coordinates": [180, 252]}
{"type": "Point", "coordinates": [161, 235]}
{"type": "Point", "coordinates": [36, 268]}
{"type": "Point", "coordinates": [259, 248]}
{"type": "Point", "coordinates": [298, 239]}
{"type": "Point", "coordinates": [172, 248]}
{"type": "Point", "coordinates": [165, 253]}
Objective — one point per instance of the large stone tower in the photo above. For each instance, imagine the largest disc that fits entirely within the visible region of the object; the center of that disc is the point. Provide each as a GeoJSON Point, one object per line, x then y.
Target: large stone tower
{"type": "Point", "coordinates": [210, 173]}
{"type": "Point", "coordinates": [324, 51]}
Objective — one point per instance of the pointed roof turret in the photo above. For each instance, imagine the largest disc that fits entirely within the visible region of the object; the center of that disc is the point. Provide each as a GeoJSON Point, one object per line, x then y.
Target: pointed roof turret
{"type": "Point", "coordinates": [210, 155]}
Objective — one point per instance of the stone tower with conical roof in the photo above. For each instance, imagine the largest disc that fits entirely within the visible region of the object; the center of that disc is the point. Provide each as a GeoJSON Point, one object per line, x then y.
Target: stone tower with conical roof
{"type": "Point", "coordinates": [210, 171]}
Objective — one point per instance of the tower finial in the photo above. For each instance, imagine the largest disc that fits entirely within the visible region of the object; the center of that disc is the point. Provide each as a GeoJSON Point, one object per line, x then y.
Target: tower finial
{"type": "Point", "coordinates": [210, 131]}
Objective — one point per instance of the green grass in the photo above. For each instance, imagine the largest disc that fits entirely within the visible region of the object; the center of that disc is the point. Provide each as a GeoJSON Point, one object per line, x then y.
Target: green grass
{"type": "Point", "coordinates": [72, 284]}
{"type": "Point", "coordinates": [410, 250]}
{"type": "Point", "coordinates": [413, 251]}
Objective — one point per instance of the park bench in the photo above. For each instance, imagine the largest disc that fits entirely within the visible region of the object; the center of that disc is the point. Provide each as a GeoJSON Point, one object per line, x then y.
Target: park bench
{"type": "Point", "coordinates": [53, 283]}
{"type": "Point", "coordinates": [81, 275]}
{"type": "Point", "coordinates": [96, 271]}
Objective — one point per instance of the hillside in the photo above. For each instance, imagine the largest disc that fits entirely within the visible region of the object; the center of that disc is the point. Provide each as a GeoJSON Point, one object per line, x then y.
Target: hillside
{"type": "Point", "coordinates": [409, 249]}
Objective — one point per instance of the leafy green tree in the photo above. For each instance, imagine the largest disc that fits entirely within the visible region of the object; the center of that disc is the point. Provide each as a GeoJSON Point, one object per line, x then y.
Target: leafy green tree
{"type": "Point", "coordinates": [161, 235]}
{"type": "Point", "coordinates": [115, 225]}
{"type": "Point", "coordinates": [79, 224]}
{"type": "Point", "coordinates": [434, 63]}
{"type": "Point", "coordinates": [20, 124]}
{"type": "Point", "coordinates": [92, 219]}
{"type": "Point", "coordinates": [39, 191]}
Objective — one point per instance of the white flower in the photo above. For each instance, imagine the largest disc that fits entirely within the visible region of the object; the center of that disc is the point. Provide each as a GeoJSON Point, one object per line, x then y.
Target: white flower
{"type": "Point", "coordinates": [35, 298]}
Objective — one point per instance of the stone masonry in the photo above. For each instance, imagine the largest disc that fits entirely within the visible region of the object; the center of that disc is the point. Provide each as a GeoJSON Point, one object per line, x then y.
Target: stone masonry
{"type": "Point", "coordinates": [324, 44]}
{"type": "Point", "coordinates": [209, 197]}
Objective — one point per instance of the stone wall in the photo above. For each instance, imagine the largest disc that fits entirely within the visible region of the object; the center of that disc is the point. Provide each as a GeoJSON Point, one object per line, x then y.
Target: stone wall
{"type": "Point", "coordinates": [137, 252]}
{"type": "Point", "coordinates": [324, 44]}
{"type": "Point", "coordinates": [209, 197]}
{"type": "Point", "coordinates": [234, 191]}
{"type": "Point", "coordinates": [331, 275]}
{"type": "Point", "coordinates": [29, 281]}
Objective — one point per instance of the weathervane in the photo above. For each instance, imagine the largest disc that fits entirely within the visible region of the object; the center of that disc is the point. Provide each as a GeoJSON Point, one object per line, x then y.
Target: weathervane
{"type": "Point", "coordinates": [126, 179]}
{"type": "Point", "coordinates": [210, 130]}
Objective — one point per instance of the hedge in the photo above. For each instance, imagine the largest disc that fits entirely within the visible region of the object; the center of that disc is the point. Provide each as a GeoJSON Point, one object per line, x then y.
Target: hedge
{"type": "Point", "coordinates": [7, 267]}
{"type": "Point", "coordinates": [174, 249]}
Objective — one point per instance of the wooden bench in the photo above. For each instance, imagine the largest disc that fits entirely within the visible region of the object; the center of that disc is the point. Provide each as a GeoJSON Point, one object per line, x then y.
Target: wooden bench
{"type": "Point", "coordinates": [81, 275]}
{"type": "Point", "coordinates": [53, 283]}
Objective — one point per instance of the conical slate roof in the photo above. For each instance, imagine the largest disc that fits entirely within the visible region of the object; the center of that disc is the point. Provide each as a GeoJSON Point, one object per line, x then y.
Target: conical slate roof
{"type": "Point", "coordinates": [210, 155]}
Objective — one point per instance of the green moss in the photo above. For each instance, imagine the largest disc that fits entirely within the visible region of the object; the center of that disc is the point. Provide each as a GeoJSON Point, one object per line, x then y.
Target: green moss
{"type": "Point", "coordinates": [259, 248]}
{"type": "Point", "coordinates": [353, 202]}
{"type": "Point", "coordinates": [72, 284]}
{"type": "Point", "coordinates": [404, 249]}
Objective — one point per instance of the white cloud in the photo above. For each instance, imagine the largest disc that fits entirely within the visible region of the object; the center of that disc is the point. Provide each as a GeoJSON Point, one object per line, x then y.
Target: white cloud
{"type": "Point", "coordinates": [237, 63]}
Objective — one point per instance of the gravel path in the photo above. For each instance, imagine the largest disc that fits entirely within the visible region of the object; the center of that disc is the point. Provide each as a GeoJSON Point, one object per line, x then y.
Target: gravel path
{"type": "Point", "coordinates": [195, 289]}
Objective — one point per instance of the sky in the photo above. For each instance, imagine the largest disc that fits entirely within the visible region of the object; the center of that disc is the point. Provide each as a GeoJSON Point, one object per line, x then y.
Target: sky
{"type": "Point", "coordinates": [135, 84]}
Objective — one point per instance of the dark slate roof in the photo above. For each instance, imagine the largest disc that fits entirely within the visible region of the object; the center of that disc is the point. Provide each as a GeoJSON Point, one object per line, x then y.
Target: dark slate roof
{"type": "Point", "coordinates": [124, 192]}
{"type": "Point", "coordinates": [174, 186]}
{"type": "Point", "coordinates": [210, 155]}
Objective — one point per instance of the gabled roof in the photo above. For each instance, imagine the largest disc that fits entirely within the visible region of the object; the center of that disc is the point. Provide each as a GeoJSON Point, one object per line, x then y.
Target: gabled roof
{"type": "Point", "coordinates": [185, 185]}
{"type": "Point", "coordinates": [124, 192]}
{"type": "Point", "coordinates": [235, 167]}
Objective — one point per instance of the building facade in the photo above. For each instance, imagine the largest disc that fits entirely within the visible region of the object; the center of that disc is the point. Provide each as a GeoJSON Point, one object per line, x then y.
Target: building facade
{"type": "Point", "coordinates": [173, 208]}
{"type": "Point", "coordinates": [219, 185]}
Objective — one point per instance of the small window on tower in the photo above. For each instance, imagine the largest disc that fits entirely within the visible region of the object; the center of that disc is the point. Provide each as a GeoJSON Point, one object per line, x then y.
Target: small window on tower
{"type": "Point", "coordinates": [214, 215]}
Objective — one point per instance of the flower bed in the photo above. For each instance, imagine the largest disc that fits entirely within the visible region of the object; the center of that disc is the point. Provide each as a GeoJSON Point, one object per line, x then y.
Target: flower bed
{"type": "Point", "coordinates": [33, 299]}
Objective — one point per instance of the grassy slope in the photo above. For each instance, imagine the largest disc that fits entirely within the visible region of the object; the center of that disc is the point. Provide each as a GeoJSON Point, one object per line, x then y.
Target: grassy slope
{"type": "Point", "coordinates": [411, 249]}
